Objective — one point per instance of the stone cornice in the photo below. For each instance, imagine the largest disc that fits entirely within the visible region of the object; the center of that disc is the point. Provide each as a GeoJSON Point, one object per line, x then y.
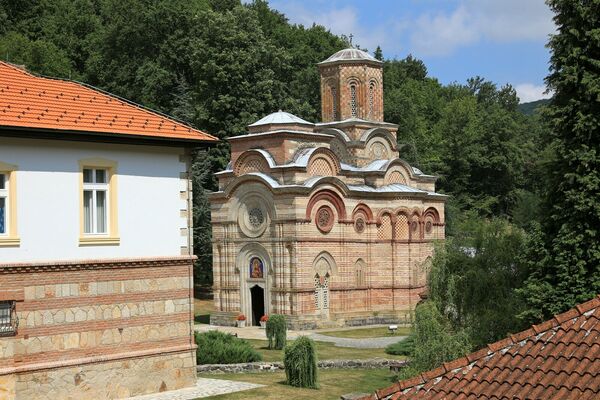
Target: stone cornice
{"type": "Point", "coordinates": [111, 263]}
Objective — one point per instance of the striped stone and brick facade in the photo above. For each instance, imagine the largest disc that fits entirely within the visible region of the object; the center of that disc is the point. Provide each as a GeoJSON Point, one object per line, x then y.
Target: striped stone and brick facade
{"type": "Point", "coordinates": [101, 313]}
{"type": "Point", "coordinates": [98, 329]}
{"type": "Point", "coordinates": [324, 222]}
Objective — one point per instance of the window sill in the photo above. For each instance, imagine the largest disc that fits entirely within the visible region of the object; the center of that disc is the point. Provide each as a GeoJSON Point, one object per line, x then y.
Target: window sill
{"type": "Point", "coordinates": [99, 241]}
{"type": "Point", "coordinates": [10, 242]}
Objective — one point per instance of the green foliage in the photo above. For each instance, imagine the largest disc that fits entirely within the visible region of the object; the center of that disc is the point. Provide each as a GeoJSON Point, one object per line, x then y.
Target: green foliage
{"type": "Point", "coordinates": [216, 347]}
{"type": "Point", "coordinates": [436, 341]}
{"type": "Point", "coordinates": [404, 347]}
{"type": "Point", "coordinates": [300, 363]}
{"type": "Point", "coordinates": [566, 252]}
{"type": "Point", "coordinates": [276, 331]}
{"type": "Point", "coordinates": [475, 277]}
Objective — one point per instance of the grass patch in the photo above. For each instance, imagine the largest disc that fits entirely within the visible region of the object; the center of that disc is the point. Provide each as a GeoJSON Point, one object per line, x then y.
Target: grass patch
{"type": "Point", "coordinates": [325, 351]}
{"type": "Point", "coordinates": [365, 333]}
{"type": "Point", "coordinates": [402, 348]}
{"type": "Point", "coordinates": [202, 310]}
{"type": "Point", "coordinates": [332, 384]}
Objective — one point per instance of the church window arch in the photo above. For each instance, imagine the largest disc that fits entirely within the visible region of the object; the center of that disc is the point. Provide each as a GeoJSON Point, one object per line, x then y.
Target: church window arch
{"type": "Point", "coordinates": [372, 88]}
{"type": "Point", "coordinates": [324, 266]}
{"type": "Point", "coordinates": [384, 230]}
{"type": "Point", "coordinates": [334, 111]}
{"type": "Point", "coordinates": [353, 100]}
{"type": "Point", "coordinates": [360, 268]}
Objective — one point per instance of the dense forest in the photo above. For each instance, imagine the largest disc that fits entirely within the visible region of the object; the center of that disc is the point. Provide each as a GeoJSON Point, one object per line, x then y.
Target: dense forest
{"type": "Point", "coordinates": [523, 185]}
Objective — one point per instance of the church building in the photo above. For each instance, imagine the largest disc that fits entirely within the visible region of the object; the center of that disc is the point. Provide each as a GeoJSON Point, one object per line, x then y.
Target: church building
{"type": "Point", "coordinates": [324, 222]}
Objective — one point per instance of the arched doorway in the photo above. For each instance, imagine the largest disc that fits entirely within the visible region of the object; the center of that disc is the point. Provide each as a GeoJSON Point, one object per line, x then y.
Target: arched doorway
{"type": "Point", "coordinates": [257, 296]}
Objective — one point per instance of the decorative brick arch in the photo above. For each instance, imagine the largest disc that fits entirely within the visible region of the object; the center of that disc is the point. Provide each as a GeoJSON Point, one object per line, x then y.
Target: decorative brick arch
{"type": "Point", "coordinates": [331, 197]}
{"type": "Point", "coordinates": [250, 162]}
{"type": "Point", "coordinates": [433, 213]}
{"type": "Point", "coordinates": [395, 176]}
{"type": "Point", "coordinates": [323, 162]}
{"type": "Point", "coordinates": [362, 208]}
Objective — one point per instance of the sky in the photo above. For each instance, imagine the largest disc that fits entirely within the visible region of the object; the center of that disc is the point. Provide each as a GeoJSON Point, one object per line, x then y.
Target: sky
{"type": "Point", "coordinates": [500, 40]}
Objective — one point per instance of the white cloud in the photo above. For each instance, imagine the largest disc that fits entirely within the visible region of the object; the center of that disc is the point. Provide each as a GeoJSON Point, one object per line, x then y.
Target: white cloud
{"type": "Point", "coordinates": [529, 92]}
{"type": "Point", "coordinates": [473, 21]}
{"type": "Point", "coordinates": [340, 21]}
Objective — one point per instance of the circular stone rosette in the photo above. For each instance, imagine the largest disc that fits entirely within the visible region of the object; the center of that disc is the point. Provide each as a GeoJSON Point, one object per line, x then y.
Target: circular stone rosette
{"type": "Point", "coordinates": [324, 218]}
{"type": "Point", "coordinates": [253, 217]}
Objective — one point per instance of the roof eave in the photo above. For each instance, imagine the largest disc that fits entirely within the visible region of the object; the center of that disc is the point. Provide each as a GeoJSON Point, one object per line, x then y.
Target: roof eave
{"type": "Point", "coordinates": [88, 136]}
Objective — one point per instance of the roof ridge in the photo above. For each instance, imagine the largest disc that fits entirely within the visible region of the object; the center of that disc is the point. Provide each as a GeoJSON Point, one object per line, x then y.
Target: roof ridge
{"type": "Point", "coordinates": [105, 93]}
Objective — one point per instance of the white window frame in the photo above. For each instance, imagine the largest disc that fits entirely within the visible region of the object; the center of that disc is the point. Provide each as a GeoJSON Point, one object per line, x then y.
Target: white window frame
{"type": "Point", "coordinates": [96, 187]}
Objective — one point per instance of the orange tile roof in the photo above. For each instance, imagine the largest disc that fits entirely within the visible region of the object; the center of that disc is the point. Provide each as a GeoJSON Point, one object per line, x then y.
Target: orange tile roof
{"type": "Point", "coordinates": [558, 359]}
{"type": "Point", "coordinates": [29, 101]}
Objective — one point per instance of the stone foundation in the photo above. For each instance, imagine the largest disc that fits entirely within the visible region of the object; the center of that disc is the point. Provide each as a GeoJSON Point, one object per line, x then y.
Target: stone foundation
{"type": "Point", "coordinates": [98, 329]}
{"type": "Point", "coordinates": [109, 380]}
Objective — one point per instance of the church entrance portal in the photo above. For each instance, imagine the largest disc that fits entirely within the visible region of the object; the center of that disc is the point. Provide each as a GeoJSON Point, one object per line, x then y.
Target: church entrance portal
{"type": "Point", "coordinates": [258, 303]}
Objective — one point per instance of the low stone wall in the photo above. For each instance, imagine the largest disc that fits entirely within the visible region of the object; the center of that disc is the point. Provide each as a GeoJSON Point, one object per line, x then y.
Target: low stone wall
{"type": "Point", "coordinates": [371, 363]}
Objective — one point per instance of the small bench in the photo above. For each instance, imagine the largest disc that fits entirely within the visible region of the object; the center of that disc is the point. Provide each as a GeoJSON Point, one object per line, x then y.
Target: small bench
{"type": "Point", "coordinates": [393, 329]}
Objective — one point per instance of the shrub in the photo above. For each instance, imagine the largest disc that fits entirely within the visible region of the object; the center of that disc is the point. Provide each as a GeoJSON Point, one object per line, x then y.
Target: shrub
{"type": "Point", "coordinates": [300, 362]}
{"type": "Point", "coordinates": [216, 347]}
{"type": "Point", "coordinates": [402, 348]}
{"type": "Point", "coordinates": [276, 331]}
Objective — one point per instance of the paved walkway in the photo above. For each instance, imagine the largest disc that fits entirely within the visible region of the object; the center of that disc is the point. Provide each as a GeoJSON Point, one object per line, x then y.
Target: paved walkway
{"type": "Point", "coordinates": [204, 388]}
{"type": "Point", "coordinates": [254, 332]}
{"type": "Point", "coordinates": [363, 343]}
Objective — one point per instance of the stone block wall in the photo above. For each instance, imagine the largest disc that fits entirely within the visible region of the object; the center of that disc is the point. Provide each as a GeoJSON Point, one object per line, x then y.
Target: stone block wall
{"type": "Point", "coordinates": [98, 329]}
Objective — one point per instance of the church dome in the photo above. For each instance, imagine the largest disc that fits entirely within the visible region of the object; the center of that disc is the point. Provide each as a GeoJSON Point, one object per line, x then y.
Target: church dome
{"type": "Point", "coordinates": [350, 55]}
{"type": "Point", "coordinates": [280, 117]}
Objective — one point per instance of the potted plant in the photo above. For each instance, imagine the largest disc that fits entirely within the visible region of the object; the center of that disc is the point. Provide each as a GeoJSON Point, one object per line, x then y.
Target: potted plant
{"type": "Point", "coordinates": [241, 321]}
{"type": "Point", "coordinates": [263, 321]}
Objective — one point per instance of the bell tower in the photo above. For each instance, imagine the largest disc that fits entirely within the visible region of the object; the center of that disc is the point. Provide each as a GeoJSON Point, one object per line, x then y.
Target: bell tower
{"type": "Point", "coordinates": [351, 86]}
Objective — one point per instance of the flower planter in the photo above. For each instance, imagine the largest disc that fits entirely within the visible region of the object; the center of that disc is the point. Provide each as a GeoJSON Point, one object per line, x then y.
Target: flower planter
{"type": "Point", "coordinates": [241, 324]}
{"type": "Point", "coordinates": [263, 324]}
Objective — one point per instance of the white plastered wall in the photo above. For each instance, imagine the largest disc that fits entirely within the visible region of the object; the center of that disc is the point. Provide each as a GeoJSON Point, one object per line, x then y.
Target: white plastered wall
{"type": "Point", "coordinates": [149, 201]}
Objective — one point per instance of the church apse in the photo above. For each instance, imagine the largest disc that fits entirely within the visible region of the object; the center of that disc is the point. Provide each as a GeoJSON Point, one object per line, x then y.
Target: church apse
{"type": "Point", "coordinates": [324, 222]}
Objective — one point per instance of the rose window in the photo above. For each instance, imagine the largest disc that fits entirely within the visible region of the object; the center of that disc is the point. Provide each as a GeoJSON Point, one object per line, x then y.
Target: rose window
{"type": "Point", "coordinates": [359, 225]}
{"type": "Point", "coordinates": [324, 219]}
{"type": "Point", "coordinates": [256, 217]}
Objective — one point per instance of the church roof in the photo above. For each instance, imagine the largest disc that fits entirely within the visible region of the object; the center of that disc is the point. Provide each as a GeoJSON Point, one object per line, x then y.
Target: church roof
{"type": "Point", "coordinates": [281, 117]}
{"type": "Point", "coordinates": [350, 55]}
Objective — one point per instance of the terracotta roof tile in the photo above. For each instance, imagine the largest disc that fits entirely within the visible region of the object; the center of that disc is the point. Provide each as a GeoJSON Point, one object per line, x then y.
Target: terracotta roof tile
{"type": "Point", "coordinates": [559, 358]}
{"type": "Point", "coordinates": [29, 101]}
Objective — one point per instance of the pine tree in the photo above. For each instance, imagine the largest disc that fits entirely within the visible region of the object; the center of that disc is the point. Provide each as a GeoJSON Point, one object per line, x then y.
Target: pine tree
{"type": "Point", "coordinates": [378, 53]}
{"type": "Point", "coordinates": [568, 269]}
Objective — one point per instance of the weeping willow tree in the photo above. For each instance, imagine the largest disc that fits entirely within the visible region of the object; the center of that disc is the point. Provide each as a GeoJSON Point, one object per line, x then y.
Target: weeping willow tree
{"type": "Point", "coordinates": [276, 331]}
{"type": "Point", "coordinates": [300, 362]}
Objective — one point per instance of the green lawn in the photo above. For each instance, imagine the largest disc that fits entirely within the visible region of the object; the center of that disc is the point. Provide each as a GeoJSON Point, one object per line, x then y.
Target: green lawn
{"type": "Point", "coordinates": [367, 332]}
{"type": "Point", "coordinates": [332, 384]}
{"type": "Point", "coordinates": [202, 310]}
{"type": "Point", "coordinates": [325, 351]}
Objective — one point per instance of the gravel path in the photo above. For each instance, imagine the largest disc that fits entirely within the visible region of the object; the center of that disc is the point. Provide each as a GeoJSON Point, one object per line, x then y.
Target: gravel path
{"type": "Point", "coordinates": [367, 343]}
{"type": "Point", "coordinates": [204, 388]}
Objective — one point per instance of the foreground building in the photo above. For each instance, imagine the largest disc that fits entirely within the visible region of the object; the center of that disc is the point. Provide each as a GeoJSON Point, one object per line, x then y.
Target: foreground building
{"type": "Point", "coordinates": [95, 243]}
{"type": "Point", "coordinates": [557, 359]}
{"type": "Point", "coordinates": [324, 222]}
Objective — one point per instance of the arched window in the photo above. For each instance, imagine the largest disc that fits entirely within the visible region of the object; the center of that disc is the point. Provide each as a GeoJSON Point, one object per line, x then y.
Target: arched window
{"type": "Point", "coordinates": [353, 105]}
{"type": "Point", "coordinates": [371, 98]}
{"type": "Point", "coordinates": [322, 293]}
{"type": "Point", "coordinates": [334, 102]}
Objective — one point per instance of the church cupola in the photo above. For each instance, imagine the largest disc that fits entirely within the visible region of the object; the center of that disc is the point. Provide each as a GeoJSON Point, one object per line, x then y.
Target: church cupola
{"type": "Point", "coordinates": [351, 86]}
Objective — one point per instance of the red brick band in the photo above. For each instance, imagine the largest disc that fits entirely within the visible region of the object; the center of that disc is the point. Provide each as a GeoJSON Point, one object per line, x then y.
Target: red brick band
{"type": "Point", "coordinates": [103, 324]}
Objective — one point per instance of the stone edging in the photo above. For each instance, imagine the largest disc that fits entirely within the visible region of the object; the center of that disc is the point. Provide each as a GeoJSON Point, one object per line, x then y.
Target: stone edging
{"type": "Point", "coordinates": [277, 366]}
